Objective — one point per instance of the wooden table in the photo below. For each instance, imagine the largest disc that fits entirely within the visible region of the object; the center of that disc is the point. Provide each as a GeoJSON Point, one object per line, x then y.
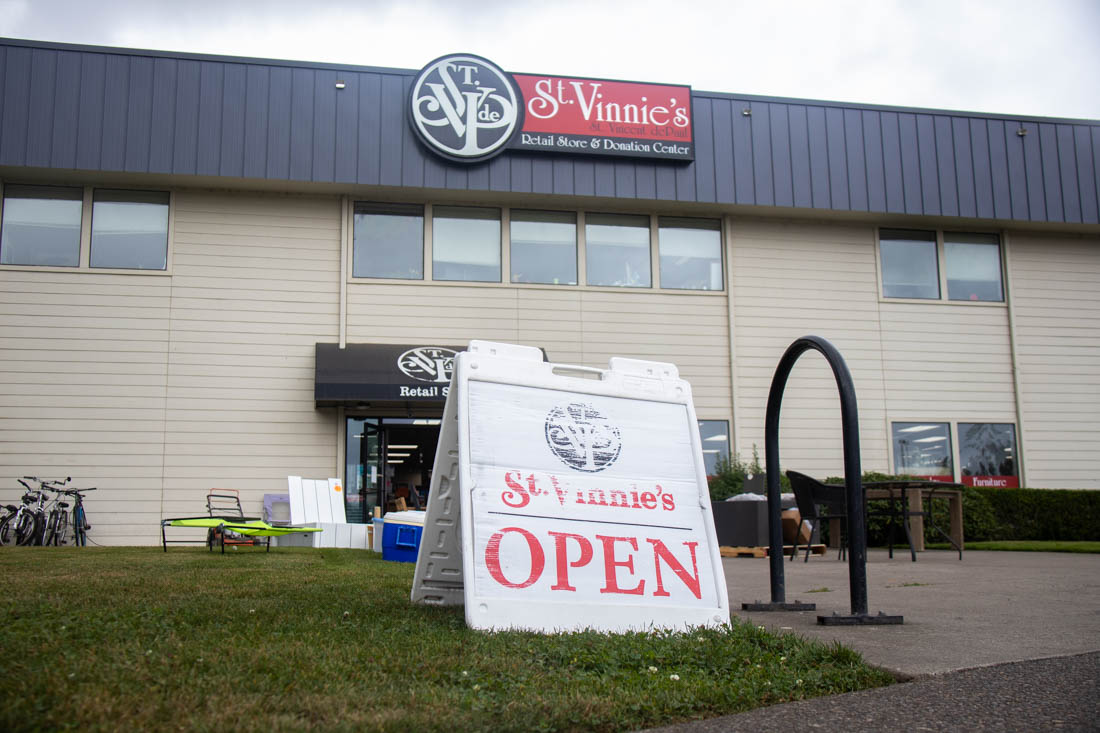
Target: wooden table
{"type": "Point", "coordinates": [911, 495]}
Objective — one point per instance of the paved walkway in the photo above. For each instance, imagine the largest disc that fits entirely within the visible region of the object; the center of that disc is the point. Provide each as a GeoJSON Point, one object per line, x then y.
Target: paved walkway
{"type": "Point", "coordinates": [998, 641]}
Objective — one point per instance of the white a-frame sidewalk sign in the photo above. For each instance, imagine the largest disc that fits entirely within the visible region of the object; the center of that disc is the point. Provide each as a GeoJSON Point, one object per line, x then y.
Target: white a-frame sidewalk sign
{"type": "Point", "coordinates": [569, 498]}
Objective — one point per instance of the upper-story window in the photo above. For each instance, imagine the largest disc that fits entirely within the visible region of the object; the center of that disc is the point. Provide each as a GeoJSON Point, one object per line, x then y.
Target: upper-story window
{"type": "Point", "coordinates": [129, 229]}
{"type": "Point", "coordinates": [973, 266]}
{"type": "Point", "coordinates": [41, 226]}
{"type": "Point", "coordinates": [466, 243]}
{"type": "Point", "coordinates": [617, 250]}
{"type": "Point", "coordinates": [690, 253]}
{"type": "Point", "coordinates": [388, 241]}
{"type": "Point", "coordinates": [921, 264]}
{"type": "Point", "coordinates": [544, 247]}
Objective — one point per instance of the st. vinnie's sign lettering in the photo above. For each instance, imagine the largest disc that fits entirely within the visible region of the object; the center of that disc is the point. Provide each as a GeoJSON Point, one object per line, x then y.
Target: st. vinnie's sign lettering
{"type": "Point", "coordinates": [566, 503]}
{"type": "Point", "coordinates": [466, 109]}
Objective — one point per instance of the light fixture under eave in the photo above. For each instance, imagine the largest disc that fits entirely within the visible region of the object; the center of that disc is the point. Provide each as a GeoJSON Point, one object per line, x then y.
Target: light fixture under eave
{"type": "Point", "coordinates": [340, 84]}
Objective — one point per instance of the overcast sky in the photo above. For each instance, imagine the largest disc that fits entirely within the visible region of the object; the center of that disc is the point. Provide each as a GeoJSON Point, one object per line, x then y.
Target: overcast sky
{"type": "Point", "coordinates": [1033, 57]}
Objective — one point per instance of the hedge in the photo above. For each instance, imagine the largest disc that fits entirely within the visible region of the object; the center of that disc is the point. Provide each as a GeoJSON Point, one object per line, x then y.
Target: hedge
{"type": "Point", "coordinates": [1005, 514]}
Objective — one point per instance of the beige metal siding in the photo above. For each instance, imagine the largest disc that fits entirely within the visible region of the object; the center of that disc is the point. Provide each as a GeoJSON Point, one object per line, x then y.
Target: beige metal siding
{"type": "Point", "coordinates": [83, 360]}
{"type": "Point", "coordinates": [577, 326]}
{"type": "Point", "coordinates": [797, 279]}
{"type": "Point", "coordinates": [1056, 298]}
{"type": "Point", "coordinates": [255, 287]}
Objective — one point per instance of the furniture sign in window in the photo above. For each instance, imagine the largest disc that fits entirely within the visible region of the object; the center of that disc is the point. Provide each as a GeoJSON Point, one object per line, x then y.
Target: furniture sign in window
{"type": "Point", "coordinates": [923, 450]}
{"type": "Point", "coordinates": [129, 230]}
{"type": "Point", "coordinates": [466, 244]}
{"type": "Point", "coordinates": [388, 241]}
{"type": "Point", "coordinates": [691, 253]}
{"type": "Point", "coordinates": [544, 247]}
{"type": "Point", "coordinates": [41, 226]}
{"type": "Point", "coordinates": [987, 454]}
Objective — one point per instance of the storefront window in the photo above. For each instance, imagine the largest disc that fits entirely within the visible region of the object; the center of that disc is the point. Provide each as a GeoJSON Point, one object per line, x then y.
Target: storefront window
{"type": "Point", "coordinates": [909, 264]}
{"type": "Point", "coordinates": [715, 438]}
{"type": "Point", "coordinates": [973, 266]}
{"type": "Point", "coordinates": [41, 226]}
{"type": "Point", "coordinates": [617, 250]}
{"type": "Point", "coordinates": [987, 454]}
{"type": "Point", "coordinates": [466, 244]}
{"type": "Point", "coordinates": [691, 253]}
{"type": "Point", "coordinates": [923, 449]}
{"type": "Point", "coordinates": [388, 241]}
{"type": "Point", "coordinates": [130, 229]}
{"type": "Point", "coordinates": [544, 247]}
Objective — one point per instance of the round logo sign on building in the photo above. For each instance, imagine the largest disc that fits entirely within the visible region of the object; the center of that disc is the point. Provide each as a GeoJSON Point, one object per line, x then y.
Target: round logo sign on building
{"type": "Point", "coordinates": [464, 107]}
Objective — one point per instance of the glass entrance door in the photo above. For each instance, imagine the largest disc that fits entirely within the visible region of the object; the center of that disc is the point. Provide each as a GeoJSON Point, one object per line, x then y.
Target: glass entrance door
{"type": "Point", "coordinates": [365, 470]}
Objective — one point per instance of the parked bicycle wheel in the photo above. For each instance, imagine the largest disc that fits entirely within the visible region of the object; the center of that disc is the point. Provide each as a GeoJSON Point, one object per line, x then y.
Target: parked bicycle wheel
{"type": "Point", "coordinates": [61, 533]}
{"type": "Point", "coordinates": [7, 531]}
{"type": "Point", "coordinates": [80, 527]}
{"type": "Point", "coordinates": [26, 529]}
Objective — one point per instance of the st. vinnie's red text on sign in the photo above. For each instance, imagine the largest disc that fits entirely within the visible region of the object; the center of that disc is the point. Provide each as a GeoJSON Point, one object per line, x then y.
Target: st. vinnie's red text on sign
{"type": "Point", "coordinates": [594, 116]}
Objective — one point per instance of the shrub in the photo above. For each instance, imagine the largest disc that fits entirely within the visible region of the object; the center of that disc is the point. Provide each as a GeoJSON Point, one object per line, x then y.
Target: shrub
{"type": "Point", "coordinates": [730, 474]}
{"type": "Point", "coordinates": [1001, 514]}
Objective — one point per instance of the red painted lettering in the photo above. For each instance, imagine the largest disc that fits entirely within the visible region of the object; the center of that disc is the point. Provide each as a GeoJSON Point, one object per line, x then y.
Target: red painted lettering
{"type": "Point", "coordinates": [668, 502]}
{"type": "Point", "coordinates": [649, 501]}
{"type": "Point", "coordinates": [691, 580]}
{"type": "Point", "coordinates": [492, 558]}
{"type": "Point", "coordinates": [518, 496]}
{"type": "Point", "coordinates": [561, 552]}
{"type": "Point", "coordinates": [611, 582]}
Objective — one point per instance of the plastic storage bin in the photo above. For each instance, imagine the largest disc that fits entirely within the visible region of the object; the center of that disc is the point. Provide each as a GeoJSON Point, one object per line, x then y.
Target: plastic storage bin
{"type": "Point", "coordinates": [376, 535]}
{"type": "Point", "coordinates": [401, 533]}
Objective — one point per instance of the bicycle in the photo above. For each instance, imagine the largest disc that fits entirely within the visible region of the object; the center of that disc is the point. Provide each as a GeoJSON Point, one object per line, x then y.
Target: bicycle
{"type": "Point", "coordinates": [78, 520]}
{"type": "Point", "coordinates": [7, 529]}
{"type": "Point", "coordinates": [31, 520]}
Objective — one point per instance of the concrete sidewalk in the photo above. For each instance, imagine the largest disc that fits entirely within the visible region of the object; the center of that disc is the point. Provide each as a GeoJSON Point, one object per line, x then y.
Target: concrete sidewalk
{"type": "Point", "coordinates": [998, 641]}
{"type": "Point", "coordinates": [991, 607]}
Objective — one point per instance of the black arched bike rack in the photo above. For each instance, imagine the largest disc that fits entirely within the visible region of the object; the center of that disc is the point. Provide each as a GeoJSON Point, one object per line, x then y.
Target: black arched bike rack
{"type": "Point", "coordinates": [857, 533]}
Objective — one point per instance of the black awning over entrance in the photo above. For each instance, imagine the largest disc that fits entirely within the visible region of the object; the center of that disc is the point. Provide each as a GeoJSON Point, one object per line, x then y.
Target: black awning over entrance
{"type": "Point", "coordinates": [382, 373]}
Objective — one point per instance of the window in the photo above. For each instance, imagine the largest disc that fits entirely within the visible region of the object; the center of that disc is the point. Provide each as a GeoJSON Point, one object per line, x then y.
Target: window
{"type": "Point", "coordinates": [41, 226]}
{"type": "Point", "coordinates": [544, 247]}
{"type": "Point", "coordinates": [129, 229]}
{"type": "Point", "coordinates": [466, 244]}
{"type": "Point", "coordinates": [388, 241]}
{"type": "Point", "coordinates": [909, 264]}
{"type": "Point", "coordinates": [987, 454]}
{"type": "Point", "coordinates": [617, 250]}
{"type": "Point", "coordinates": [923, 449]}
{"type": "Point", "coordinates": [973, 266]}
{"type": "Point", "coordinates": [690, 253]}
{"type": "Point", "coordinates": [714, 435]}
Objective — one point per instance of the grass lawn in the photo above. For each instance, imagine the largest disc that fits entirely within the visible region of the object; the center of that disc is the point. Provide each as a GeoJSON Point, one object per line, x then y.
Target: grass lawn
{"type": "Point", "coordinates": [134, 638]}
{"type": "Point", "coordinates": [1024, 546]}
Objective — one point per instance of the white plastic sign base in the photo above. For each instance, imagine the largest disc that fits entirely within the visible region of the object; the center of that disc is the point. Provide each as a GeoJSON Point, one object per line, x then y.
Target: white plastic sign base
{"type": "Point", "coordinates": [568, 498]}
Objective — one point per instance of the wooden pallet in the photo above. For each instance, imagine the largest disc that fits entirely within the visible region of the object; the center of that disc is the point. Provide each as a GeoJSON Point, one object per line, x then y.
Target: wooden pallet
{"type": "Point", "coordinates": [727, 551]}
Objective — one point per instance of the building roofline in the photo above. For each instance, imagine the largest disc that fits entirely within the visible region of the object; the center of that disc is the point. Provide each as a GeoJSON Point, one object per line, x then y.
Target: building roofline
{"type": "Point", "coordinates": [333, 66]}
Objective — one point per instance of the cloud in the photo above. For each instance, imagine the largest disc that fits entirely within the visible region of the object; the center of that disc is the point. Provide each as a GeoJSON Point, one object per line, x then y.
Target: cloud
{"type": "Point", "coordinates": [1006, 56]}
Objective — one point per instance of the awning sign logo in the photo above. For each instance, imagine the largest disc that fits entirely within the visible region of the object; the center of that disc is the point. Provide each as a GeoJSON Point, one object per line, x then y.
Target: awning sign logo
{"type": "Point", "coordinates": [465, 107]}
{"type": "Point", "coordinates": [582, 437]}
{"type": "Point", "coordinates": [428, 364]}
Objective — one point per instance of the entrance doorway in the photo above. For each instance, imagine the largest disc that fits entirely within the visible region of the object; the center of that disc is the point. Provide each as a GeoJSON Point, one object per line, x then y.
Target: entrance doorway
{"type": "Point", "coordinates": [387, 458]}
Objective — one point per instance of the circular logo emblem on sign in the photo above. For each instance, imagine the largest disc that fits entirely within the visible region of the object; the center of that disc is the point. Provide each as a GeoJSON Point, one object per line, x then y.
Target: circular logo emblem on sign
{"type": "Point", "coordinates": [582, 437]}
{"type": "Point", "coordinates": [428, 364]}
{"type": "Point", "coordinates": [464, 107]}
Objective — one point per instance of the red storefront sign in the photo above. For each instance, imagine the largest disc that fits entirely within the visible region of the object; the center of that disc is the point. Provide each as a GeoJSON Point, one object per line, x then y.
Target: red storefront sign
{"type": "Point", "coordinates": [997, 482]}
{"type": "Point", "coordinates": [599, 117]}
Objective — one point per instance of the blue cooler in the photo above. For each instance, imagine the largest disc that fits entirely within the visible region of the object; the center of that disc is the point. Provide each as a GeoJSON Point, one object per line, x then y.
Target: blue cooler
{"type": "Point", "coordinates": [401, 533]}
